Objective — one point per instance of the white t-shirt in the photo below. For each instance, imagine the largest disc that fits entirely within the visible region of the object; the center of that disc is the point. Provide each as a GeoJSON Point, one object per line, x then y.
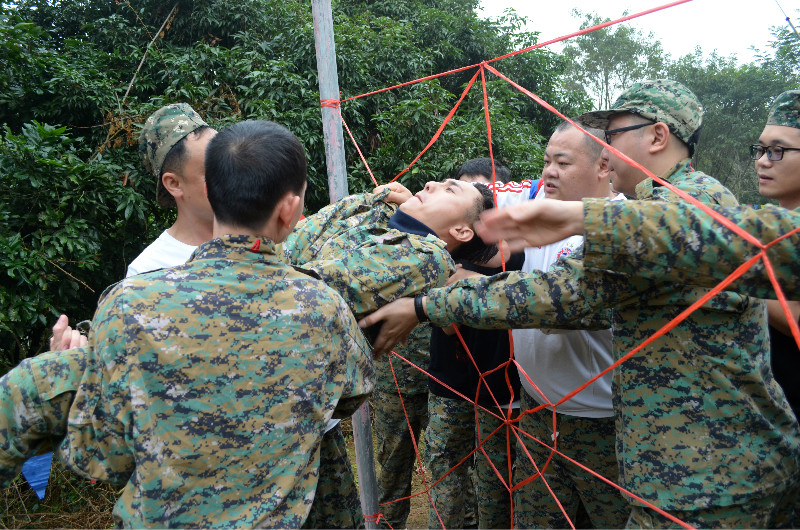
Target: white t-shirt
{"type": "Point", "coordinates": [560, 361]}
{"type": "Point", "coordinates": [165, 251]}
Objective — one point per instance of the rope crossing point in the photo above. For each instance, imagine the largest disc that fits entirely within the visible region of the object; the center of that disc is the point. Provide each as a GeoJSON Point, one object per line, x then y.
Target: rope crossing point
{"type": "Point", "coordinates": [509, 423]}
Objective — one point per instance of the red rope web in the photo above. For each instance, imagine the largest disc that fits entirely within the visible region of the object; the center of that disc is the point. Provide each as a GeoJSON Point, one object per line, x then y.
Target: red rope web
{"type": "Point", "coordinates": [503, 411]}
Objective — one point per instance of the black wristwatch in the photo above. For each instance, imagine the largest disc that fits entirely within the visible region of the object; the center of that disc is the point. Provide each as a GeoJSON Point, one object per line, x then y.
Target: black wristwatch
{"type": "Point", "coordinates": [421, 316]}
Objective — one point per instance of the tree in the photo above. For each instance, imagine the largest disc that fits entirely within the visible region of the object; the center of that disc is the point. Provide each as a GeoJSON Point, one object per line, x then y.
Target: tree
{"type": "Point", "coordinates": [607, 61]}
{"type": "Point", "coordinates": [785, 58]}
{"type": "Point", "coordinates": [73, 96]}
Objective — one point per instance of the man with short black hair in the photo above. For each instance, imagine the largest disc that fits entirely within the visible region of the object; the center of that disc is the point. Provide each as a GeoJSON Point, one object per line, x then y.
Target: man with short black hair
{"type": "Point", "coordinates": [208, 386]}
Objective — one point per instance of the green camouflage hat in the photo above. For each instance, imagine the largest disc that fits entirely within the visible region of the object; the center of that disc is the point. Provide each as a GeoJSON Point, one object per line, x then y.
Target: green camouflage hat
{"type": "Point", "coordinates": [659, 100]}
{"type": "Point", "coordinates": [786, 110]}
{"type": "Point", "coordinates": [163, 129]}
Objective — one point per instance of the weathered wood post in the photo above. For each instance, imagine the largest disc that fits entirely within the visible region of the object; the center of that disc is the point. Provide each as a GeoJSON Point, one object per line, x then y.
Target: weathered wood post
{"type": "Point", "coordinates": [337, 185]}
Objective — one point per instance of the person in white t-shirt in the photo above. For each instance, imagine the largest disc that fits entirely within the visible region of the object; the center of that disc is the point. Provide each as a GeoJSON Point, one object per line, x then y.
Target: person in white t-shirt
{"type": "Point", "coordinates": [172, 147]}
{"type": "Point", "coordinates": [556, 362]}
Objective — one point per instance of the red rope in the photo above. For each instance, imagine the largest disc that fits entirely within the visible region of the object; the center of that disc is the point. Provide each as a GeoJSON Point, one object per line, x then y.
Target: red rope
{"type": "Point", "coordinates": [508, 423]}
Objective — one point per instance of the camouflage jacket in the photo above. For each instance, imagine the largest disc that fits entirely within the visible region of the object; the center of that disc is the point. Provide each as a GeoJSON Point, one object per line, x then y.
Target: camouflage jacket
{"type": "Point", "coordinates": [700, 419]}
{"type": "Point", "coordinates": [208, 387]}
{"type": "Point", "coordinates": [35, 398]}
{"type": "Point", "coordinates": [351, 246]}
{"type": "Point", "coordinates": [678, 242]}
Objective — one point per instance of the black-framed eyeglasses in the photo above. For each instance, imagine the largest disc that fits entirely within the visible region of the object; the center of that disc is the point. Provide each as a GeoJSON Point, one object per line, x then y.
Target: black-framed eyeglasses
{"type": "Point", "coordinates": [774, 152]}
{"type": "Point", "coordinates": [612, 132]}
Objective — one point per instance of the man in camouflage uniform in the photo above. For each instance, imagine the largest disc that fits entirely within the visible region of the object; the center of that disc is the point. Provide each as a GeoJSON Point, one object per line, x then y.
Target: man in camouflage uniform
{"type": "Point", "coordinates": [703, 430]}
{"type": "Point", "coordinates": [172, 147]}
{"type": "Point", "coordinates": [373, 252]}
{"type": "Point", "coordinates": [683, 243]}
{"type": "Point", "coordinates": [207, 386]}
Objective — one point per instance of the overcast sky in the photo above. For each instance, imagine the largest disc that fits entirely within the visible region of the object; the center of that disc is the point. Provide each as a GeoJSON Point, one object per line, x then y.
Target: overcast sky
{"type": "Point", "coordinates": [729, 26]}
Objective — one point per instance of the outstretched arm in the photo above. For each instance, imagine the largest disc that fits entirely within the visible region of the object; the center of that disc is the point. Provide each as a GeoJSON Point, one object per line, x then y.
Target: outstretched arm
{"type": "Point", "coordinates": [679, 242]}
{"type": "Point", "coordinates": [35, 398]}
{"type": "Point", "coordinates": [532, 223]}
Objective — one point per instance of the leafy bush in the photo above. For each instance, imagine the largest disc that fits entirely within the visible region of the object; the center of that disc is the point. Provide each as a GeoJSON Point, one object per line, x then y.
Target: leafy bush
{"type": "Point", "coordinates": [66, 229]}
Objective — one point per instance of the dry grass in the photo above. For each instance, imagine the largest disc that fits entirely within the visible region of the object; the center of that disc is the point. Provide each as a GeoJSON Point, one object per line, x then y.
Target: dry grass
{"type": "Point", "coordinates": [74, 502]}
{"type": "Point", "coordinates": [70, 502]}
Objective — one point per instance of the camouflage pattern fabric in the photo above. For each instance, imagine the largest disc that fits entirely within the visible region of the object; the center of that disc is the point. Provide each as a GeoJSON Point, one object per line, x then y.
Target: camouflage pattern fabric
{"type": "Point", "coordinates": [658, 100]}
{"type": "Point", "coordinates": [350, 246]}
{"type": "Point", "coordinates": [449, 438]}
{"type": "Point", "coordinates": [771, 511]}
{"type": "Point", "coordinates": [396, 456]}
{"type": "Point", "coordinates": [163, 129]}
{"type": "Point", "coordinates": [36, 396]}
{"type": "Point", "coordinates": [492, 497]}
{"type": "Point", "coordinates": [700, 420]}
{"type": "Point", "coordinates": [679, 243]}
{"type": "Point", "coordinates": [785, 110]}
{"type": "Point", "coordinates": [208, 388]}
{"type": "Point", "coordinates": [589, 441]}
{"type": "Point", "coordinates": [395, 453]}
{"type": "Point", "coordinates": [410, 380]}
{"type": "Point", "coordinates": [336, 503]}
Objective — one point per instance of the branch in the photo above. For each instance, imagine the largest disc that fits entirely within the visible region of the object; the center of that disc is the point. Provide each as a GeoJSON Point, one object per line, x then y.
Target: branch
{"type": "Point", "coordinates": [169, 16]}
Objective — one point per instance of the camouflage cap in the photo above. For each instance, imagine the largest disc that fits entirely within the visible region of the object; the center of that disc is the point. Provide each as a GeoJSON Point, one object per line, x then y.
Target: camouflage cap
{"type": "Point", "coordinates": [659, 100]}
{"type": "Point", "coordinates": [162, 130]}
{"type": "Point", "coordinates": [785, 110]}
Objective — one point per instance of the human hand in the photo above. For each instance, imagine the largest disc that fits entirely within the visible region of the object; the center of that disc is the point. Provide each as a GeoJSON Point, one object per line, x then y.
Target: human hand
{"type": "Point", "coordinates": [399, 319]}
{"type": "Point", "coordinates": [398, 194]}
{"type": "Point", "coordinates": [531, 223]}
{"type": "Point", "coordinates": [64, 337]}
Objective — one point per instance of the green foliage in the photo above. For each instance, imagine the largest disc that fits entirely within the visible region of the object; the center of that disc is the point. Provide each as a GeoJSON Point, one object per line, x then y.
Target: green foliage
{"type": "Point", "coordinates": [785, 59]}
{"type": "Point", "coordinates": [66, 227]}
{"type": "Point", "coordinates": [607, 61]}
{"type": "Point", "coordinates": [80, 208]}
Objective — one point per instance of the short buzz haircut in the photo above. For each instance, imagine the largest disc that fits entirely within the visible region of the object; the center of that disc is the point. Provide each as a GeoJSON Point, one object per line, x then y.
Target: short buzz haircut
{"type": "Point", "coordinates": [593, 149]}
{"type": "Point", "coordinates": [250, 166]}
{"type": "Point", "coordinates": [475, 250]}
{"type": "Point", "coordinates": [483, 166]}
{"type": "Point", "coordinates": [173, 163]}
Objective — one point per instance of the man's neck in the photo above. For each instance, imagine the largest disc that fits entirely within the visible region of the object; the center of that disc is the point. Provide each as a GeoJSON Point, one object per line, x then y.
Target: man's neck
{"type": "Point", "coordinates": [190, 231]}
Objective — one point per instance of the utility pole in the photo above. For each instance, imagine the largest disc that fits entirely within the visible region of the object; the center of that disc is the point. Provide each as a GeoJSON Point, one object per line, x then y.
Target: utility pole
{"type": "Point", "coordinates": [337, 185]}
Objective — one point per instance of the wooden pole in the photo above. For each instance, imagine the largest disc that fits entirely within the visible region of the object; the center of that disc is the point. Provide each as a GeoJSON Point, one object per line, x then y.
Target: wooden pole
{"type": "Point", "coordinates": [337, 186]}
{"type": "Point", "coordinates": [329, 90]}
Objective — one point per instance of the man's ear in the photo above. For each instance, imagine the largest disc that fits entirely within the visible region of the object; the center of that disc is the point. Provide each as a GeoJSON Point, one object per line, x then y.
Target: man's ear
{"type": "Point", "coordinates": [172, 183]}
{"type": "Point", "coordinates": [461, 232]}
{"type": "Point", "coordinates": [660, 137]}
{"type": "Point", "coordinates": [289, 209]}
{"type": "Point", "coordinates": [603, 169]}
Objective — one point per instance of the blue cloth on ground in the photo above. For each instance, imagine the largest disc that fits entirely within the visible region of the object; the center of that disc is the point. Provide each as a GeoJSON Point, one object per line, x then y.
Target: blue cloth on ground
{"type": "Point", "coordinates": [36, 471]}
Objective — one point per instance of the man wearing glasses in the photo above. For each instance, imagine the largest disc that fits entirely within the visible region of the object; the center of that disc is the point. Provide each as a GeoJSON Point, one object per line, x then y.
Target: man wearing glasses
{"type": "Point", "coordinates": [703, 431]}
{"type": "Point", "coordinates": [777, 160]}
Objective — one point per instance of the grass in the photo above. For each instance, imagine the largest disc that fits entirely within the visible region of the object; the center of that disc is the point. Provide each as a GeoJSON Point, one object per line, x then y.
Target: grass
{"type": "Point", "coordinates": [70, 502]}
{"type": "Point", "coordinates": [74, 502]}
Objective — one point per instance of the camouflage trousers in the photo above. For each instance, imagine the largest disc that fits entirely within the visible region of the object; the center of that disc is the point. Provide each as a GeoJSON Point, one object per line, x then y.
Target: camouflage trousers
{"type": "Point", "coordinates": [449, 438]}
{"type": "Point", "coordinates": [589, 441]}
{"type": "Point", "coordinates": [395, 450]}
{"type": "Point", "coordinates": [336, 503]}
{"type": "Point", "coordinates": [493, 497]}
{"type": "Point", "coordinates": [778, 510]}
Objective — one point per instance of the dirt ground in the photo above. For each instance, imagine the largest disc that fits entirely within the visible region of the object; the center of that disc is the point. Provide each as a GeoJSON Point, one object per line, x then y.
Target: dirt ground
{"type": "Point", "coordinates": [418, 516]}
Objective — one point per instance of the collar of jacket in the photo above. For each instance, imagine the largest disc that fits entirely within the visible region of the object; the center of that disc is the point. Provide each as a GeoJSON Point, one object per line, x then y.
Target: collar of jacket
{"type": "Point", "coordinates": [405, 223]}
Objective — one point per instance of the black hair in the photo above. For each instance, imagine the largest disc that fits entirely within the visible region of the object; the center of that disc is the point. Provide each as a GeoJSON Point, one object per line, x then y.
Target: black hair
{"type": "Point", "coordinates": [475, 250]}
{"type": "Point", "coordinates": [250, 166]}
{"type": "Point", "coordinates": [173, 163]}
{"type": "Point", "coordinates": [593, 149]}
{"type": "Point", "coordinates": [483, 166]}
